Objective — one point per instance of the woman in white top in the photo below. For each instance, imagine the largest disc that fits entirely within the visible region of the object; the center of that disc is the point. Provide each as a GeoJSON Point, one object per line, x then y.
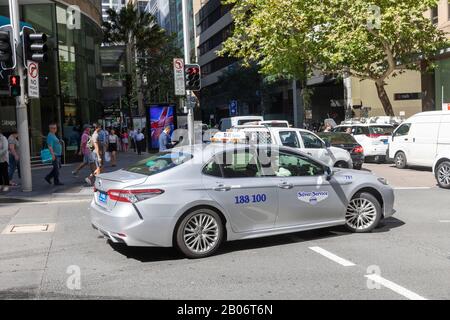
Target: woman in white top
{"type": "Point", "coordinates": [113, 142]}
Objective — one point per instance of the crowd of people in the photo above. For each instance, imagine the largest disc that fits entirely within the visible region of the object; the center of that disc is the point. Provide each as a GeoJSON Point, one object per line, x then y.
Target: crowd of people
{"type": "Point", "coordinates": [97, 146]}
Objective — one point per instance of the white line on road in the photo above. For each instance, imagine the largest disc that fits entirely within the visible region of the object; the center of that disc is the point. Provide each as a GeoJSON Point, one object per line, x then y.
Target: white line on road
{"type": "Point", "coordinates": [394, 287]}
{"type": "Point", "coordinates": [444, 221]}
{"type": "Point", "coordinates": [332, 256]}
{"type": "Point", "coordinates": [36, 203]}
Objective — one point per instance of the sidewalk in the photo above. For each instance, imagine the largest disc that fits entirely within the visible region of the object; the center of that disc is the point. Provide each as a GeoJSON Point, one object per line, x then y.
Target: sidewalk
{"type": "Point", "coordinates": [73, 187]}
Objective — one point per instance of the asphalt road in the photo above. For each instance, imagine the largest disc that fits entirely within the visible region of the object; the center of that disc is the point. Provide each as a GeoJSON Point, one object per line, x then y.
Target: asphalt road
{"type": "Point", "coordinates": [408, 257]}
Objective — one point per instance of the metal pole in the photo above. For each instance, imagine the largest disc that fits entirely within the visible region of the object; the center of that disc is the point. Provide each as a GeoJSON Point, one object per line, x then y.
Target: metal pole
{"type": "Point", "coordinates": [187, 60]}
{"type": "Point", "coordinates": [21, 107]}
{"type": "Point", "coordinates": [295, 103]}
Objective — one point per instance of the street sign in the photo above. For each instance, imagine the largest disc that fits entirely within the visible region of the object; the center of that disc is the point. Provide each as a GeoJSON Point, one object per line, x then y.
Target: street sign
{"type": "Point", "coordinates": [178, 71]}
{"type": "Point", "coordinates": [33, 79]}
{"type": "Point", "coordinates": [233, 108]}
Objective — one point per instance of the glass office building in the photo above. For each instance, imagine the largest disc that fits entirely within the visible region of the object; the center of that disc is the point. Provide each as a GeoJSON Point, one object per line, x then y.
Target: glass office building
{"type": "Point", "coordinates": [70, 80]}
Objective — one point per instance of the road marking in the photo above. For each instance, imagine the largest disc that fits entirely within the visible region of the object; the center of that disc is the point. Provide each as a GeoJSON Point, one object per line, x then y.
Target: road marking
{"type": "Point", "coordinates": [35, 203]}
{"type": "Point", "coordinates": [395, 287]}
{"type": "Point", "coordinates": [444, 221]}
{"type": "Point", "coordinates": [412, 188]}
{"type": "Point", "coordinates": [332, 256]}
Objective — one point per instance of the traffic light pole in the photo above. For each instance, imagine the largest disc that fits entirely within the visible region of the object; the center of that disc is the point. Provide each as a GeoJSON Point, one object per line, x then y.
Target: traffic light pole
{"type": "Point", "coordinates": [21, 107]}
{"type": "Point", "coordinates": [187, 60]}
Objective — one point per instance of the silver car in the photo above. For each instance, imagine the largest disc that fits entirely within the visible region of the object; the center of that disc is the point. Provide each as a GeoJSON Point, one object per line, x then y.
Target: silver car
{"type": "Point", "coordinates": [196, 197]}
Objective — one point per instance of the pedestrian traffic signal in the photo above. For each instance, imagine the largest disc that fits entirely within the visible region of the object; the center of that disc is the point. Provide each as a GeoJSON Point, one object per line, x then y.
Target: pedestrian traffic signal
{"type": "Point", "coordinates": [192, 73]}
{"type": "Point", "coordinates": [7, 49]}
{"type": "Point", "coordinates": [14, 86]}
{"type": "Point", "coordinates": [34, 46]}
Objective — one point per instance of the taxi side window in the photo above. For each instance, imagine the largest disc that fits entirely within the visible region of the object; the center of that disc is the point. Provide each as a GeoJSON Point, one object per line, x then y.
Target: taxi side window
{"type": "Point", "coordinates": [403, 130]}
{"type": "Point", "coordinates": [361, 130]}
{"type": "Point", "coordinates": [213, 169]}
{"type": "Point", "coordinates": [236, 164]}
{"type": "Point", "coordinates": [311, 141]}
{"type": "Point", "coordinates": [299, 166]}
{"type": "Point", "coordinates": [289, 139]}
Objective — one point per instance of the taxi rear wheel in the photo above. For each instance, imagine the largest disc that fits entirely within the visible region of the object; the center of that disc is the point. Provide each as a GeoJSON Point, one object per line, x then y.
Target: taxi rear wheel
{"type": "Point", "coordinates": [363, 213]}
{"type": "Point", "coordinates": [199, 233]}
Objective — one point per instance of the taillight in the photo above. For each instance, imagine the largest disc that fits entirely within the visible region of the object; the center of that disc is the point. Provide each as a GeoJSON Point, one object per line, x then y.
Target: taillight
{"type": "Point", "coordinates": [133, 196]}
{"type": "Point", "coordinates": [374, 135]}
{"type": "Point", "coordinates": [358, 149]}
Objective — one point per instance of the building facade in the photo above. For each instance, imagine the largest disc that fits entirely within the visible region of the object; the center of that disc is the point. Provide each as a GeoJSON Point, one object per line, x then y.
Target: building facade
{"type": "Point", "coordinates": [71, 78]}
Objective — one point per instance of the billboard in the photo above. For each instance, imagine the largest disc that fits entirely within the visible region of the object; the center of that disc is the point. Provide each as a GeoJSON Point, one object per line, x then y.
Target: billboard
{"type": "Point", "coordinates": [159, 116]}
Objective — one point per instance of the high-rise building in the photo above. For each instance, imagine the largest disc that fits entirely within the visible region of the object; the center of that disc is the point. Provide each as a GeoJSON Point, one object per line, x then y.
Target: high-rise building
{"type": "Point", "coordinates": [112, 4]}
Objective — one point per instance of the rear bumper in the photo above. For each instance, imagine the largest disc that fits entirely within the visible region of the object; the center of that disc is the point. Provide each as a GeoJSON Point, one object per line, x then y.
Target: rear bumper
{"type": "Point", "coordinates": [376, 150]}
{"type": "Point", "coordinates": [123, 225]}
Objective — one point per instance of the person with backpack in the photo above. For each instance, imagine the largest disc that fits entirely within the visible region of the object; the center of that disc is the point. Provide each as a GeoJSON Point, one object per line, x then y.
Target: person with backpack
{"type": "Point", "coordinates": [85, 151]}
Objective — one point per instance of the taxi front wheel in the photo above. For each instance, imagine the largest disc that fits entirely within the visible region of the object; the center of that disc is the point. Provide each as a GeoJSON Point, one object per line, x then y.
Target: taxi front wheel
{"type": "Point", "coordinates": [363, 213]}
{"type": "Point", "coordinates": [200, 233]}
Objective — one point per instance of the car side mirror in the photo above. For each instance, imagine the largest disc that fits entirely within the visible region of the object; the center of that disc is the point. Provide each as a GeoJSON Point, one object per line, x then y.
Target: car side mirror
{"type": "Point", "coordinates": [328, 173]}
{"type": "Point", "coordinates": [327, 144]}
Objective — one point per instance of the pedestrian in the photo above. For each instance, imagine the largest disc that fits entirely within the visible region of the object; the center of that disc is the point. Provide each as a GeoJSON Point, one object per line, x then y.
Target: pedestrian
{"type": "Point", "coordinates": [55, 147]}
{"type": "Point", "coordinates": [164, 139]}
{"type": "Point", "coordinates": [125, 140]}
{"type": "Point", "coordinates": [85, 152]}
{"type": "Point", "coordinates": [4, 158]}
{"type": "Point", "coordinates": [139, 141]}
{"type": "Point", "coordinates": [96, 153]}
{"type": "Point", "coordinates": [133, 134]}
{"type": "Point", "coordinates": [14, 157]}
{"type": "Point", "coordinates": [328, 127]}
{"type": "Point", "coordinates": [113, 142]}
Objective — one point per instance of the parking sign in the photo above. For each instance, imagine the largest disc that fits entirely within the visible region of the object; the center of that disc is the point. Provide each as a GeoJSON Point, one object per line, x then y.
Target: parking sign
{"type": "Point", "coordinates": [178, 70]}
{"type": "Point", "coordinates": [33, 79]}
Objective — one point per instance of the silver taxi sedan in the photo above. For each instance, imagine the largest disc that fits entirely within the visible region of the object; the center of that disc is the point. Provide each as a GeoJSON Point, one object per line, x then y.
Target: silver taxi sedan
{"type": "Point", "coordinates": [196, 197]}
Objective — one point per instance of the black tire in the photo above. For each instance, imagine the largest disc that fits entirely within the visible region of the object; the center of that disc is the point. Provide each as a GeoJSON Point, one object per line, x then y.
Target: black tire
{"type": "Point", "coordinates": [341, 164]}
{"type": "Point", "coordinates": [183, 245]}
{"type": "Point", "coordinates": [400, 160]}
{"type": "Point", "coordinates": [442, 174]}
{"type": "Point", "coordinates": [374, 219]}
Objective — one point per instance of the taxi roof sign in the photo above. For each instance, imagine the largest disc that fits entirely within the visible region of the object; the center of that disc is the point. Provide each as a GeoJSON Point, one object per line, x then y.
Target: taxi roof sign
{"type": "Point", "coordinates": [229, 137]}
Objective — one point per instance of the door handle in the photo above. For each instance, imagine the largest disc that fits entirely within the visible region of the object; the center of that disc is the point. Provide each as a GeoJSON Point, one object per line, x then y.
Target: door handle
{"type": "Point", "coordinates": [222, 187]}
{"type": "Point", "coordinates": [285, 185]}
{"type": "Point", "coordinates": [406, 139]}
{"type": "Point", "coordinates": [309, 153]}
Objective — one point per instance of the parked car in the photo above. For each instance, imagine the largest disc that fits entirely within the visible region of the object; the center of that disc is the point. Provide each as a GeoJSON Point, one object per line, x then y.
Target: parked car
{"type": "Point", "coordinates": [373, 138]}
{"type": "Point", "coordinates": [301, 139]}
{"type": "Point", "coordinates": [441, 169]}
{"type": "Point", "coordinates": [347, 142]}
{"type": "Point", "coordinates": [228, 123]}
{"type": "Point", "coordinates": [420, 139]}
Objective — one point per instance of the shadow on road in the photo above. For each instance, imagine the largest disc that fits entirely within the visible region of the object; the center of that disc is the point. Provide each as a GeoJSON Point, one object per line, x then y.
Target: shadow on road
{"type": "Point", "coordinates": [144, 254]}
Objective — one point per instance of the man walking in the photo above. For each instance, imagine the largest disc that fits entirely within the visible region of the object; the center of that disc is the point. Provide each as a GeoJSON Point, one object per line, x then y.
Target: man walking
{"type": "Point", "coordinates": [54, 145]}
{"type": "Point", "coordinates": [139, 141]}
{"type": "Point", "coordinates": [85, 152]}
{"type": "Point", "coordinates": [164, 139]}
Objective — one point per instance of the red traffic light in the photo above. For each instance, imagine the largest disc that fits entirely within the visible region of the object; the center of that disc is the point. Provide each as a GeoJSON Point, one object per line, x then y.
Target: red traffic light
{"type": "Point", "coordinates": [14, 80]}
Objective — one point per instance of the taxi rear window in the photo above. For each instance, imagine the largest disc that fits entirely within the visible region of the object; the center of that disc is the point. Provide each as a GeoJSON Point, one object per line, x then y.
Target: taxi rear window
{"type": "Point", "coordinates": [159, 162]}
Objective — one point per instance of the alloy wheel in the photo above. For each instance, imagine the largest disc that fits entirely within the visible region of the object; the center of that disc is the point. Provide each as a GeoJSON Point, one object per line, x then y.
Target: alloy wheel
{"type": "Point", "coordinates": [444, 174]}
{"type": "Point", "coordinates": [201, 233]}
{"type": "Point", "coordinates": [361, 214]}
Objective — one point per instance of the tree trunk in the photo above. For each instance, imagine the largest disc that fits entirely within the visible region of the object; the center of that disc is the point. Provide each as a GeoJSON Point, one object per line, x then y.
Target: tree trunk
{"type": "Point", "coordinates": [384, 98]}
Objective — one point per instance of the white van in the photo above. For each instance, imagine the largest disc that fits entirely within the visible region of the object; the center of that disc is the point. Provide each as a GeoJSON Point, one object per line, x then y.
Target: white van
{"type": "Point", "coordinates": [228, 123]}
{"type": "Point", "coordinates": [419, 139]}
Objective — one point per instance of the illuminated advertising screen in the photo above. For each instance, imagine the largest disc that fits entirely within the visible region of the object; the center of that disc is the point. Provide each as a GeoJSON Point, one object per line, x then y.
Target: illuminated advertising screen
{"type": "Point", "coordinates": [159, 116]}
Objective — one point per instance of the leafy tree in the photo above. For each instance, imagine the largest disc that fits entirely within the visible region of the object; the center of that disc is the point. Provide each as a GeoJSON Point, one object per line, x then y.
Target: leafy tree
{"type": "Point", "coordinates": [141, 34]}
{"type": "Point", "coordinates": [370, 40]}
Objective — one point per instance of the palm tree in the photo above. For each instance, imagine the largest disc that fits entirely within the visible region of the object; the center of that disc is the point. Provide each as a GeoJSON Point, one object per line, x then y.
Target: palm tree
{"type": "Point", "coordinates": [140, 32]}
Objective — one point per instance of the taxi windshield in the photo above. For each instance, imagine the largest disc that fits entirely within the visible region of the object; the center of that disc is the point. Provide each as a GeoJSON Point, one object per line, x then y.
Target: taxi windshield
{"type": "Point", "coordinates": [159, 162]}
